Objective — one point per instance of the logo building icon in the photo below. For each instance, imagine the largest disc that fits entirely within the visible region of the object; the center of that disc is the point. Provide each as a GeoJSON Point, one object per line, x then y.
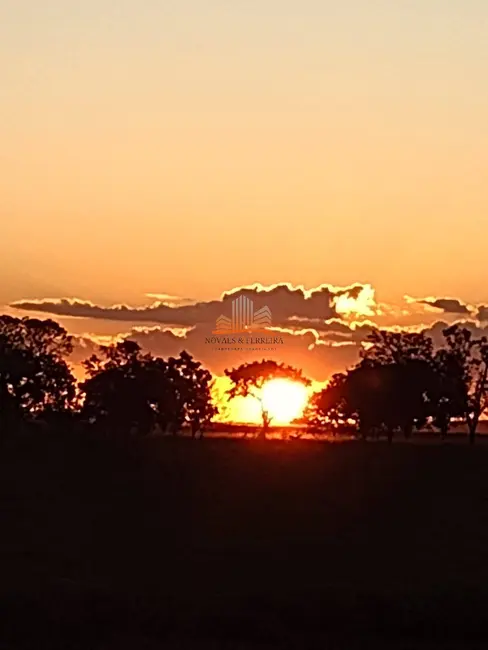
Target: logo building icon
{"type": "Point", "coordinates": [244, 318]}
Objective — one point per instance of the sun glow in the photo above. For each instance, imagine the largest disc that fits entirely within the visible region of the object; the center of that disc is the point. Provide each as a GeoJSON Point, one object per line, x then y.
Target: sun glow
{"type": "Point", "coordinates": [284, 400]}
{"type": "Point", "coordinates": [364, 304]}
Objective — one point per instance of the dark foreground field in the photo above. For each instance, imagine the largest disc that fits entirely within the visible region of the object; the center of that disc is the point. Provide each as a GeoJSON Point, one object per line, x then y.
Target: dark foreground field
{"type": "Point", "coordinates": [232, 544]}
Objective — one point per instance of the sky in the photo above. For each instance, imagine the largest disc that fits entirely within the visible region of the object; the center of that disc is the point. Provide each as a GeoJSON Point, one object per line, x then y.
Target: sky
{"type": "Point", "coordinates": [192, 147]}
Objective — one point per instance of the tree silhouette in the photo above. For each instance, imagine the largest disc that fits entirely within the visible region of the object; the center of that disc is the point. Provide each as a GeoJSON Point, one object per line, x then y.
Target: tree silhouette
{"type": "Point", "coordinates": [466, 362]}
{"type": "Point", "coordinates": [445, 383]}
{"type": "Point", "coordinates": [385, 347]}
{"type": "Point", "coordinates": [35, 379]}
{"type": "Point", "coordinates": [391, 397]}
{"type": "Point", "coordinates": [450, 394]}
{"type": "Point", "coordinates": [400, 384]}
{"type": "Point", "coordinates": [196, 393]}
{"type": "Point", "coordinates": [248, 379]}
{"type": "Point", "coordinates": [128, 391]}
{"type": "Point", "coordinates": [328, 409]}
{"type": "Point", "coordinates": [123, 354]}
{"type": "Point", "coordinates": [116, 399]}
{"type": "Point", "coordinates": [184, 393]}
{"type": "Point", "coordinates": [377, 397]}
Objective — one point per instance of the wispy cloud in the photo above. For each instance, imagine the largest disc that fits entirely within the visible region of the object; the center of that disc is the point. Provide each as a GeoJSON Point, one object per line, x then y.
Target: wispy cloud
{"type": "Point", "coordinates": [446, 305]}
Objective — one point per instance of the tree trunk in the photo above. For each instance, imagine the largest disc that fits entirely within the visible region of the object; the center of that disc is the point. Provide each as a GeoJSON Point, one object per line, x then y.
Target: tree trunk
{"type": "Point", "coordinates": [472, 432]}
{"type": "Point", "coordinates": [265, 427]}
{"type": "Point", "coordinates": [264, 430]}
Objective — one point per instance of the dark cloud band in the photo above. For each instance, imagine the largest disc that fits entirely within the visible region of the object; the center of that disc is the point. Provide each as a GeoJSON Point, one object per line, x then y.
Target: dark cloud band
{"type": "Point", "coordinates": [284, 301]}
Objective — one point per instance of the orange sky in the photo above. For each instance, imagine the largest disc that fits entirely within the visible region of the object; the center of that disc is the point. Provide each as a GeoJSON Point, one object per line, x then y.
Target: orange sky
{"type": "Point", "coordinates": [190, 148]}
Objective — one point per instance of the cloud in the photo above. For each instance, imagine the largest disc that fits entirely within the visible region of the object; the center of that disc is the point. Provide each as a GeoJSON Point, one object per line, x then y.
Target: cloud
{"type": "Point", "coordinates": [482, 313]}
{"type": "Point", "coordinates": [356, 301]}
{"type": "Point", "coordinates": [447, 305]}
{"type": "Point", "coordinates": [317, 357]}
{"type": "Point", "coordinates": [295, 323]}
{"type": "Point", "coordinates": [158, 312]}
{"type": "Point", "coordinates": [435, 331]}
{"type": "Point", "coordinates": [321, 330]}
{"type": "Point", "coordinates": [167, 299]}
{"type": "Point", "coordinates": [284, 300]}
{"type": "Point", "coordinates": [312, 333]}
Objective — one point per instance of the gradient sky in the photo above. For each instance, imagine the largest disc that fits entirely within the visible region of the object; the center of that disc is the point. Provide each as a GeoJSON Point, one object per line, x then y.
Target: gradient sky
{"type": "Point", "coordinates": [191, 146]}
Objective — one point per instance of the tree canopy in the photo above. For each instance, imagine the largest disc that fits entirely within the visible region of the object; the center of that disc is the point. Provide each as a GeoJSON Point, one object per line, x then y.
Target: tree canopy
{"type": "Point", "coordinates": [35, 378]}
{"type": "Point", "coordinates": [129, 391]}
{"type": "Point", "coordinates": [402, 382]}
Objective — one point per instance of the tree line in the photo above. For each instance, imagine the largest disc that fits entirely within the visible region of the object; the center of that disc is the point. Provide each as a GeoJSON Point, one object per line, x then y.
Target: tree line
{"type": "Point", "coordinates": [400, 384]}
{"type": "Point", "coordinates": [125, 391]}
{"type": "Point", "coordinates": [403, 383]}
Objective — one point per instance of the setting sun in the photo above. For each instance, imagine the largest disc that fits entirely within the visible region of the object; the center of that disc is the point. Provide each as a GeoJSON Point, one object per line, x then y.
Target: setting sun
{"type": "Point", "coordinates": [284, 400]}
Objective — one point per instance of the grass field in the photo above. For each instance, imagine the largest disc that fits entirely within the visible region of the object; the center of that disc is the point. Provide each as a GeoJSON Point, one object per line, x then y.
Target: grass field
{"type": "Point", "coordinates": [242, 544]}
